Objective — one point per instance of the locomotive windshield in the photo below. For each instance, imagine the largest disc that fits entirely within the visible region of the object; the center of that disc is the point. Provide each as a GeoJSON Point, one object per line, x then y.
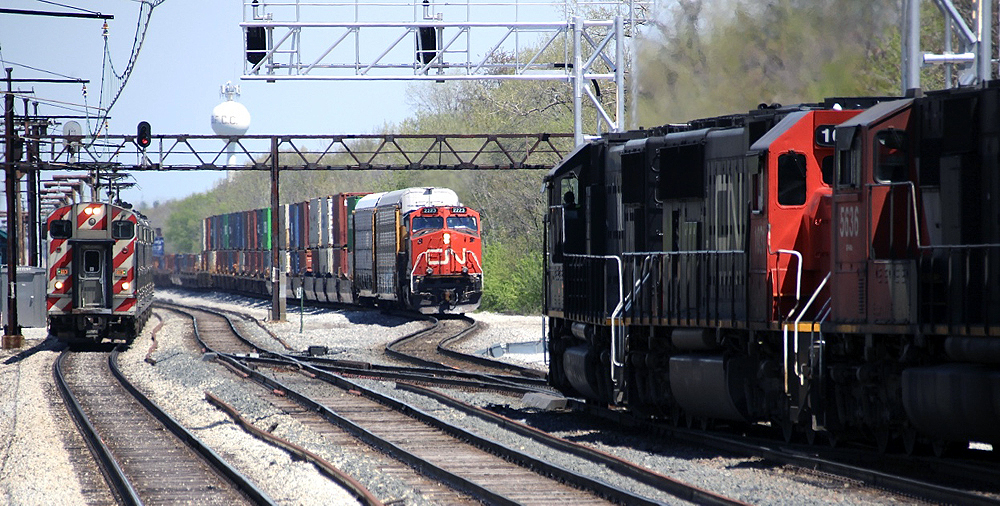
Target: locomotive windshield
{"type": "Point", "coordinates": [122, 229]}
{"type": "Point", "coordinates": [61, 229]}
{"type": "Point", "coordinates": [466, 222]}
{"type": "Point", "coordinates": [427, 222]}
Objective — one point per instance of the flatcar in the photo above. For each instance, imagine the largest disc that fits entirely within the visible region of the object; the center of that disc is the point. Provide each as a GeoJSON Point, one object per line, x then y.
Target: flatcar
{"type": "Point", "coordinates": [415, 248]}
{"type": "Point", "coordinates": [100, 282]}
{"type": "Point", "coordinates": [827, 269]}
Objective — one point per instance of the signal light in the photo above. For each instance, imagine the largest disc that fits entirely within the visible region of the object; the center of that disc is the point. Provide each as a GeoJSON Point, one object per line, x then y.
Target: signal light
{"type": "Point", "coordinates": [256, 44]}
{"type": "Point", "coordinates": [143, 135]}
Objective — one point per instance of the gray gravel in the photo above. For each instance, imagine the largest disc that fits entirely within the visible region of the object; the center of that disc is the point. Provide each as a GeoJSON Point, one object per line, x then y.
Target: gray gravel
{"type": "Point", "coordinates": [32, 451]}
{"type": "Point", "coordinates": [34, 466]}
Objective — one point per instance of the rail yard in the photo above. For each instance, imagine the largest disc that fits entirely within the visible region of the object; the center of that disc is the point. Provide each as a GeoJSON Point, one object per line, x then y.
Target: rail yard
{"type": "Point", "coordinates": [777, 287]}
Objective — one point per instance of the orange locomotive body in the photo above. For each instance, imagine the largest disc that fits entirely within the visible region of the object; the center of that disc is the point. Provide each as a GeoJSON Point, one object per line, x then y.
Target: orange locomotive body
{"type": "Point", "coordinates": [100, 283]}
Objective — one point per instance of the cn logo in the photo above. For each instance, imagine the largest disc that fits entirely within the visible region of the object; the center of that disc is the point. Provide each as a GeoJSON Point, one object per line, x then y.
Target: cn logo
{"type": "Point", "coordinates": [443, 254]}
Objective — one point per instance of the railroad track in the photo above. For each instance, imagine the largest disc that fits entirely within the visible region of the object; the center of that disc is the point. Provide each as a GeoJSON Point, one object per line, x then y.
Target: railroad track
{"type": "Point", "coordinates": [468, 464]}
{"type": "Point", "coordinates": [934, 480]}
{"type": "Point", "coordinates": [216, 332]}
{"type": "Point", "coordinates": [431, 347]}
{"type": "Point", "coordinates": [142, 462]}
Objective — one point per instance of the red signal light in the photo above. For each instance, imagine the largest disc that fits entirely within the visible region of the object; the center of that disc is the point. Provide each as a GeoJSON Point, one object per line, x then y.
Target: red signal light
{"type": "Point", "coordinates": [143, 136]}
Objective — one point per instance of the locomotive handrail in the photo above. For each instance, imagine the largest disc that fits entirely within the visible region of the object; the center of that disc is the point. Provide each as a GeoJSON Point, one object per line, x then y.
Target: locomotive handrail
{"type": "Point", "coordinates": [639, 281]}
{"type": "Point", "coordinates": [961, 246]}
{"type": "Point", "coordinates": [795, 344]}
{"type": "Point", "coordinates": [798, 277]}
{"type": "Point", "coordinates": [413, 271]}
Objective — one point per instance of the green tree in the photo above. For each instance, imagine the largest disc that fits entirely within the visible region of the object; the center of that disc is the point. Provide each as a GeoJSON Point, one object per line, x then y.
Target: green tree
{"type": "Point", "coordinates": [711, 58]}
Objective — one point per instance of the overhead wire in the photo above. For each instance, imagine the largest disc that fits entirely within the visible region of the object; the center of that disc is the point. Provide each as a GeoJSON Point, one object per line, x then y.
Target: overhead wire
{"type": "Point", "coordinates": [113, 83]}
{"type": "Point", "coordinates": [67, 6]}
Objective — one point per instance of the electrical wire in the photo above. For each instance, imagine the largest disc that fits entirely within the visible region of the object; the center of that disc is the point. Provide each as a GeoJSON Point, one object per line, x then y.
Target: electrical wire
{"type": "Point", "coordinates": [67, 6]}
{"type": "Point", "coordinates": [29, 67]}
{"type": "Point", "coordinates": [113, 83]}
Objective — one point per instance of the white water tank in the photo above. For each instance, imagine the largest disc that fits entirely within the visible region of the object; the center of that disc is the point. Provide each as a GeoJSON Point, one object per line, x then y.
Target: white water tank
{"type": "Point", "coordinates": [230, 118]}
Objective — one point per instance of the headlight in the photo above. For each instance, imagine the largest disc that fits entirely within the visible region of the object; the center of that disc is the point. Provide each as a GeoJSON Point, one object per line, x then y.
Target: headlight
{"type": "Point", "coordinates": [430, 271]}
{"type": "Point", "coordinates": [465, 270]}
{"type": "Point", "coordinates": [59, 285]}
{"type": "Point", "coordinates": [447, 238]}
{"type": "Point", "coordinates": [126, 285]}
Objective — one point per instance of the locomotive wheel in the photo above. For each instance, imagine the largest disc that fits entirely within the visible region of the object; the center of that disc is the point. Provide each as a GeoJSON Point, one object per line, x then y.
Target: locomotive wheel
{"type": "Point", "coordinates": [676, 417]}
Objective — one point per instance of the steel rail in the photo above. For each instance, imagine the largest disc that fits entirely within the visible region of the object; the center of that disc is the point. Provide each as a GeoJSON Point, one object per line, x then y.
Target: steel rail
{"type": "Point", "coordinates": [523, 459]}
{"type": "Point", "coordinates": [109, 466]}
{"type": "Point", "coordinates": [359, 491]}
{"type": "Point", "coordinates": [117, 477]}
{"type": "Point", "coordinates": [241, 482]}
{"type": "Point", "coordinates": [444, 348]}
{"type": "Point", "coordinates": [789, 456]}
{"type": "Point", "coordinates": [444, 377]}
{"type": "Point", "coordinates": [675, 487]}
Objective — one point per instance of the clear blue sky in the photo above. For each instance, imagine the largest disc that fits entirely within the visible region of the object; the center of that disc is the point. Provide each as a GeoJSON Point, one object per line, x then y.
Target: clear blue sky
{"type": "Point", "coordinates": [191, 49]}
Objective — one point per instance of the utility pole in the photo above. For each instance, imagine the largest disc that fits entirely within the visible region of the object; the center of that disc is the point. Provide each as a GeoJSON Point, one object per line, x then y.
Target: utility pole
{"type": "Point", "coordinates": [278, 280]}
{"type": "Point", "coordinates": [37, 130]}
{"type": "Point", "coordinates": [12, 337]}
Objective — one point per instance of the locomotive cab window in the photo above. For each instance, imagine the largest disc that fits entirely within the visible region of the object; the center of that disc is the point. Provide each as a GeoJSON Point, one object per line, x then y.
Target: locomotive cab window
{"type": "Point", "coordinates": [427, 223]}
{"type": "Point", "coordinates": [569, 189]}
{"type": "Point", "coordinates": [792, 179]}
{"type": "Point", "coordinates": [462, 222]}
{"type": "Point", "coordinates": [890, 156]}
{"type": "Point", "coordinates": [122, 229]}
{"type": "Point", "coordinates": [61, 229]}
{"type": "Point", "coordinates": [848, 163]}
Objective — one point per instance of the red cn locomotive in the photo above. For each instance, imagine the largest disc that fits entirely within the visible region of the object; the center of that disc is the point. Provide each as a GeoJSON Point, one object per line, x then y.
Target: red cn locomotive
{"type": "Point", "coordinates": [419, 247]}
{"type": "Point", "coordinates": [100, 272]}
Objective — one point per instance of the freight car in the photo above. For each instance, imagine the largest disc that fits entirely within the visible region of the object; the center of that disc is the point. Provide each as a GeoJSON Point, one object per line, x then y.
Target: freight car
{"type": "Point", "coordinates": [416, 248]}
{"type": "Point", "coordinates": [826, 269]}
{"type": "Point", "coordinates": [100, 279]}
